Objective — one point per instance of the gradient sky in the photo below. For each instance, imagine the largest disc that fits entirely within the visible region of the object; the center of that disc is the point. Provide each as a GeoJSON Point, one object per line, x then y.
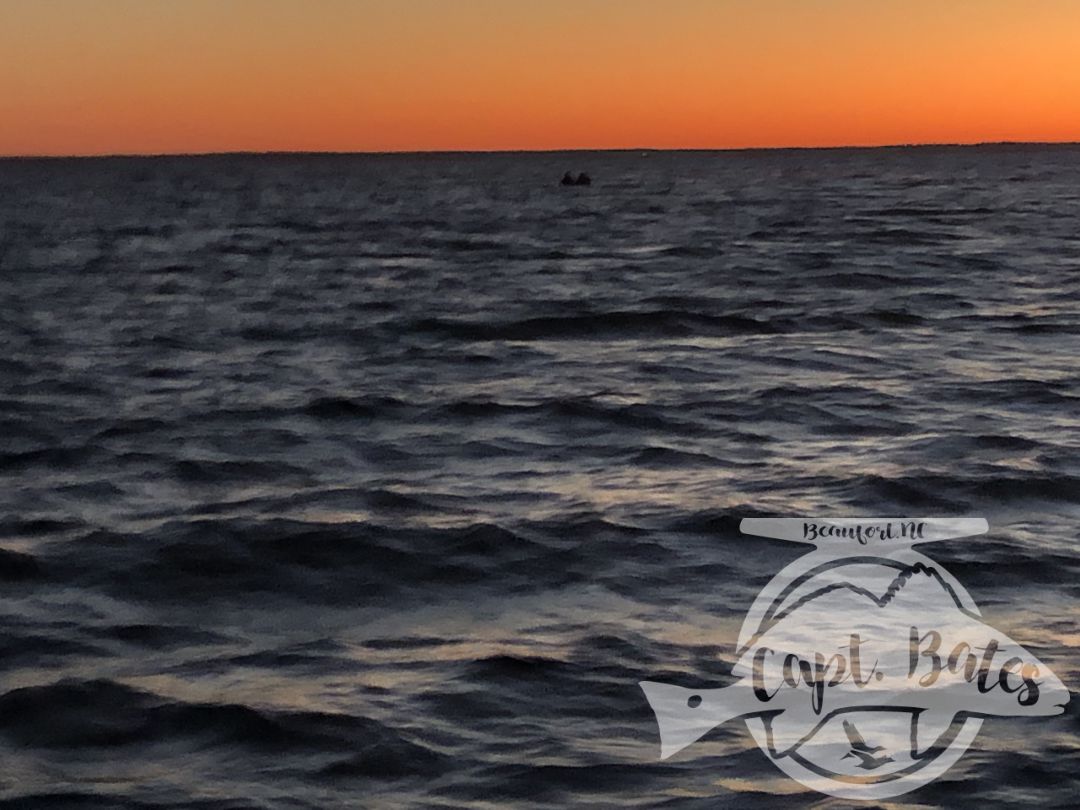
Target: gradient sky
{"type": "Point", "coordinates": [149, 76]}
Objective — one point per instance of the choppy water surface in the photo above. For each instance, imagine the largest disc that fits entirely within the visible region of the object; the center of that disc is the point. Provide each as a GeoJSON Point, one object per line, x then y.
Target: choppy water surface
{"type": "Point", "coordinates": [375, 481]}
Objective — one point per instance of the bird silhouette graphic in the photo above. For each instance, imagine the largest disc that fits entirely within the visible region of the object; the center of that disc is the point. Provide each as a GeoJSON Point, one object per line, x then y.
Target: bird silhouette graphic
{"type": "Point", "coordinates": [866, 754]}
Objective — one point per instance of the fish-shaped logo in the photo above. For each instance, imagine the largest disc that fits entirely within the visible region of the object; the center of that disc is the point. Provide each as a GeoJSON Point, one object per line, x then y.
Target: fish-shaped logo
{"type": "Point", "coordinates": [864, 668]}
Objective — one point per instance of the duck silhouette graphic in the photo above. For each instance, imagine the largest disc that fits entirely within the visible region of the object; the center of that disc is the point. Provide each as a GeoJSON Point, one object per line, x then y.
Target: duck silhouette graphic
{"type": "Point", "coordinates": [867, 755]}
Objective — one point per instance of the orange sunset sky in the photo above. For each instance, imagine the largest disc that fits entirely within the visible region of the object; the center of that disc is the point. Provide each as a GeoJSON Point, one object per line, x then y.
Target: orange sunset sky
{"type": "Point", "coordinates": [151, 76]}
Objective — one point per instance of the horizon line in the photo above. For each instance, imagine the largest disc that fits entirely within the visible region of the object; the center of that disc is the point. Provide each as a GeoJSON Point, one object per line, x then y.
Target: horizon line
{"type": "Point", "coordinates": [512, 151]}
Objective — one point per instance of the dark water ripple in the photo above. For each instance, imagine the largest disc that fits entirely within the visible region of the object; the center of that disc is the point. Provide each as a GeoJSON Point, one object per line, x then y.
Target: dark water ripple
{"type": "Point", "coordinates": [381, 481]}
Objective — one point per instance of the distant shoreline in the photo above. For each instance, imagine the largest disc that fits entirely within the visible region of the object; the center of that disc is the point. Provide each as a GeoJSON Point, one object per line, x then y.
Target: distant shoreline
{"type": "Point", "coordinates": [480, 152]}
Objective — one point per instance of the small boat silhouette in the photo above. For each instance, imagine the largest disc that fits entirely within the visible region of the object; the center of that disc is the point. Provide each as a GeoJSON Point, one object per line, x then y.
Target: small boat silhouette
{"type": "Point", "coordinates": [581, 180]}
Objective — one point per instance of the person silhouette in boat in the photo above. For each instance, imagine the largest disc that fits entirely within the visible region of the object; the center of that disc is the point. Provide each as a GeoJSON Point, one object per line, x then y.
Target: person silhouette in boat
{"type": "Point", "coordinates": [581, 180]}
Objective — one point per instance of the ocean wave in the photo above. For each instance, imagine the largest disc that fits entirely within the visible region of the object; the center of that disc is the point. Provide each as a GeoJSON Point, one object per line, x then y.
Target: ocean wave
{"type": "Point", "coordinates": [656, 323]}
{"type": "Point", "coordinates": [106, 714]}
{"type": "Point", "coordinates": [338, 480]}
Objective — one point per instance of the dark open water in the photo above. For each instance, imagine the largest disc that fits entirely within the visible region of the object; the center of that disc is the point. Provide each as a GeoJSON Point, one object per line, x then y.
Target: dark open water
{"type": "Point", "coordinates": [381, 481]}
